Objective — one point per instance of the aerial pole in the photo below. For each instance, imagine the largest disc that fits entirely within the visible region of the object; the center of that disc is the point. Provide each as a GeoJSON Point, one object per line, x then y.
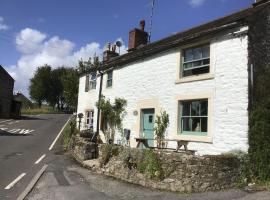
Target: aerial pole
{"type": "Point", "coordinates": [151, 20]}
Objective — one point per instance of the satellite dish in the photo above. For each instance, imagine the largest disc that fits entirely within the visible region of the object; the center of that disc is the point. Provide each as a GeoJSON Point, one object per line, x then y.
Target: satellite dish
{"type": "Point", "coordinates": [119, 43]}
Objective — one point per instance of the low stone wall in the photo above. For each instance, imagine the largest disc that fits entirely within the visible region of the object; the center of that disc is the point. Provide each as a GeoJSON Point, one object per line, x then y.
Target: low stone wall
{"type": "Point", "coordinates": [177, 172]}
{"type": "Point", "coordinates": [158, 169]}
{"type": "Point", "coordinates": [82, 149]}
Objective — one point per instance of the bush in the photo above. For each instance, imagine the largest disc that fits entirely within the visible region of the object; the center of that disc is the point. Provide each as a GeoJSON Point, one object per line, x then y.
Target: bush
{"type": "Point", "coordinates": [107, 152]}
{"type": "Point", "coordinates": [150, 164]}
{"type": "Point", "coordinates": [259, 142]}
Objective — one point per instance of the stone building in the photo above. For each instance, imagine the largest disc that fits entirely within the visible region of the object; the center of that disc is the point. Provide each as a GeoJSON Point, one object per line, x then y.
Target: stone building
{"type": "Point", "coordinates": [6, 93]}
{"type": "Point", "coordinates": [203, 78]}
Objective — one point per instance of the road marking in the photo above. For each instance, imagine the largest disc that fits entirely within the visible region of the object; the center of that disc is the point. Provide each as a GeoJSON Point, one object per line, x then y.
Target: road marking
{"type": "Point", "coordinates": [14, 130]}
{"type": "Point", "coordinates": [32, 183]}
{"type": "Point", "coordinates": [25, 131]}
{"type": "Point", "coordinates": [58, 135]}
{"type": "Point", "coordinates": [40, 159]}
{"type": "Point", "coordinates": [15, 181]}
{"type": "Point", "coordinates": [3, 129]}
{"type": "Point", "coordinates": [6, 121]}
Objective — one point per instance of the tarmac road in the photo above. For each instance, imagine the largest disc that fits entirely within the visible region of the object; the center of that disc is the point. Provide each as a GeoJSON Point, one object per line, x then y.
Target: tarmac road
{"type": "Point", "coordinates": [24, 148]}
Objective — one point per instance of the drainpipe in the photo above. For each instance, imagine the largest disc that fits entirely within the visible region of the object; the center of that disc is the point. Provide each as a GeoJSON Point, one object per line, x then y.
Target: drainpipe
{"type": "Point", "coordinates": [99, 98]}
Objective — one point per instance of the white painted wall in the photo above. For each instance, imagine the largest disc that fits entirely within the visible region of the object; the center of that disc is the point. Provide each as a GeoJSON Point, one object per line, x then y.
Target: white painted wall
{"type": "Point", "coordinates": [154, 78]}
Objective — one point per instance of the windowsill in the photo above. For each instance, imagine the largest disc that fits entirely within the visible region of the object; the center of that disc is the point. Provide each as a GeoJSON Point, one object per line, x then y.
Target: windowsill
{"type": "Point", "coordinates": [195, 78]}
{"type": "Point", "coordinates": [108, 87]}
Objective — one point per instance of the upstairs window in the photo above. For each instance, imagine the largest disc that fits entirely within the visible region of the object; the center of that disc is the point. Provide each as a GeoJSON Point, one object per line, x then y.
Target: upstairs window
{"type": "Point", "coordinates": [93, 80]}
{"type": "Point", "coordinates": [109, 78]}
{"type": "Point", "coordinates": [194, 117]}
{"type": "Point", "coordinates": [196, 61]}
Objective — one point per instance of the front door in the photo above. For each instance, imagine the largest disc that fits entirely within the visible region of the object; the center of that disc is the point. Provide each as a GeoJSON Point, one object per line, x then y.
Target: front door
{"type": "Point", "coordinates": [147, 125]}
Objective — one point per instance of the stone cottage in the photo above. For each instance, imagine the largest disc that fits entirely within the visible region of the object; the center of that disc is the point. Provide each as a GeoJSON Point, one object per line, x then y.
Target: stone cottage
{"type": "Point", "coordinates": [6, 93]}
{"type": "Point", "coordinates": [202, 77]}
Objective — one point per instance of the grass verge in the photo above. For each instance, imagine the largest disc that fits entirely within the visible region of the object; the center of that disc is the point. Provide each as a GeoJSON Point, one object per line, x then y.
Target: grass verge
{"type": "Point", "coordinates": [37, 111]}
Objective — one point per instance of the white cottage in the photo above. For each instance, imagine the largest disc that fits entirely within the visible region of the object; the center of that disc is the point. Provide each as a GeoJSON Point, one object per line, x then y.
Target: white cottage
{"type": "Point", "coordinates": [201, 77]}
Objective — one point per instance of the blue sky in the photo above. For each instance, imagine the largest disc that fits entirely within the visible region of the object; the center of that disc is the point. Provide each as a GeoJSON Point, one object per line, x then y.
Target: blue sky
{"type": "Point", "coordinates": [59, 32]}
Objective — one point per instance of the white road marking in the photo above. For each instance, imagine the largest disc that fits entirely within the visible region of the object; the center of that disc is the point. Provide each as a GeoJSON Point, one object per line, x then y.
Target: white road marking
{"type": "Point", "coordinates": [15, 181]}
{"type": "Point", "coordinates": [14, 130]}
{"type": "Point", "coordinates": [6, 121]}
{"type": "Point", "coordinates": [32, 183]}
{"type": "Point", "coordinates": [40, 159]}
{"type": "Point", "coordinates": [3, 129]}
{"type": "Point", "coordinates": [58, 135]}
{"type": "Point", "coordinates": [25, 131]}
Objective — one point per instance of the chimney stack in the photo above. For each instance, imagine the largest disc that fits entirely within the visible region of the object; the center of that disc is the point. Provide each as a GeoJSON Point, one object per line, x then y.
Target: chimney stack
{"type": "Point", "coordinates": [137, 37]}
{"type": "Point", "coordinates": [110, 52]}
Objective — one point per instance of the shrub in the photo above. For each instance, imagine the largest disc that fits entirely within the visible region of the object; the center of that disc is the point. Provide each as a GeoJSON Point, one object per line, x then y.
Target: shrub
{"type": "Point", "coordinates": [162, 122]}
{"type": "Point", "coordinates": [150, 164]}
{"type": "Point", "coordinates": [259, 142]}
{"type": "Point", "coordinates": [107, 152]}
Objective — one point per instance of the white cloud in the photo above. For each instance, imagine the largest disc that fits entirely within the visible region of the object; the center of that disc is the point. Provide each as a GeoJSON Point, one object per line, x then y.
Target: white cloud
{"type": "Point", "coordinates": [37, 49]}
{"type": "Point", "coordinates": [196, 3]}
{"type": "Point", "coordinates": [3, 26]}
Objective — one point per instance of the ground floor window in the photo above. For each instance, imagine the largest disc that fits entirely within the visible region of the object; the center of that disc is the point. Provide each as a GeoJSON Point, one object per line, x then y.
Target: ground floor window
{"type": "Point", "coordinates": [193, 117]}
{"type": "Point", "coordinates": [89, 119]}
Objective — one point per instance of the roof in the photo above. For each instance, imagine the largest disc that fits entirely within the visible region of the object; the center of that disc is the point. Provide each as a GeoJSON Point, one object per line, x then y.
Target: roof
{"type": "Point", "coordinates": [2, 70]}
{"type": "Point", "coordinates": [203, 31]}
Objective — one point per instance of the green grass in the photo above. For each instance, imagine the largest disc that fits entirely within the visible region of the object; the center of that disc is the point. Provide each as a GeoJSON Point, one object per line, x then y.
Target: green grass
{"type": "Point", "coordinates": [68, 131]}
{"type": "Point", "coordinates": [37, 111]}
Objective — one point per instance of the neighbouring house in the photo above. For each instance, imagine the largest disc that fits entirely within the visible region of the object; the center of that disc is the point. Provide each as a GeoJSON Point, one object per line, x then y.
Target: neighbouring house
{"type": "Point", "coordinates": [26, 102]}
{"type": "Point", "coordinates": [6, 93]}
{"type": "Point", "coordinates": [202, 77]}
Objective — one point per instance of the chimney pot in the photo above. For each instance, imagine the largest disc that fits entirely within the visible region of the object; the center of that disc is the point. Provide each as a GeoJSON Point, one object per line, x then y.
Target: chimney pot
{"type": "Point", "coordinates": [142, 24]}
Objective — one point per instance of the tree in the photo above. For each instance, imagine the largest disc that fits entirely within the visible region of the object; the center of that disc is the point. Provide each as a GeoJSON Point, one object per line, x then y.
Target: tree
{"type": "Point", "coordinates": [55, 94]}
{"type": "Point", "coordinates": [38, 88]}
{"type": "Point", "coordinates": [113, 115]}
{"type": "Point", "coordinates": [70, 82]}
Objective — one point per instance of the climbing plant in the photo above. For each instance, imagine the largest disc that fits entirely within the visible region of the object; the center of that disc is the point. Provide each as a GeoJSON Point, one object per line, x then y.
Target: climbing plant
{"type": "Point", "coordinates": [113, 115]}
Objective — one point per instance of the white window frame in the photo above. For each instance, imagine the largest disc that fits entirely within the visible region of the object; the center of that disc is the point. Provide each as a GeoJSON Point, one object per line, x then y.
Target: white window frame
{"type": "Point", "coordinates": [89, 119]}
{"type": "Point", "coordinates": [109, 80]}
{"type": "Point", "coordinates": [92, 81]}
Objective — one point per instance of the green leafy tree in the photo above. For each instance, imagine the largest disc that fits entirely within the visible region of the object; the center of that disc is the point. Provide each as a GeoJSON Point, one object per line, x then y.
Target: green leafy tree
{"type": "Point", "coordinates": [70, 82]}
{"type": "Point", "coordinates": [38, 88]}
{"type": "Point", "coordinates": [113, 115]}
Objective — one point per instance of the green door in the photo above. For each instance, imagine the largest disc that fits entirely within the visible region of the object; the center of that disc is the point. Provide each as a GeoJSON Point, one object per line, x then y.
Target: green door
{"type": "Point", "coordinates": [147, 125]}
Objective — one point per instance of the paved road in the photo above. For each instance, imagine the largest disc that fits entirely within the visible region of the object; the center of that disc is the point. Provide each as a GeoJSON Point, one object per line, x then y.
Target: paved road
{"type": "Point", "coordinates": [22, 144]}
{"type": "Point", "coordinates": [64, 179]}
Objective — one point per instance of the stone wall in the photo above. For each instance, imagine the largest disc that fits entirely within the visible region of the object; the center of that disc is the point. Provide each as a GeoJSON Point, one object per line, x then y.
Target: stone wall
{"type": "Point", "coordinates": [181, 172]}
{"type": "Point", "coordinates": [82, 149]}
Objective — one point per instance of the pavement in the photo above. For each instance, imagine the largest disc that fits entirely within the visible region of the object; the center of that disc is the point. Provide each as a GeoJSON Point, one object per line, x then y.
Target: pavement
{"type": "Point", "coordinates": [24, 149]}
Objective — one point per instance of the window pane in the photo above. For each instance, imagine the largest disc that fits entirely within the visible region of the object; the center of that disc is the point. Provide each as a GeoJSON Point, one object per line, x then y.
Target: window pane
{"type": "Point", "coordinates": [188, 65]}
{"type": "Point", "coordinates": [195, 108]}
{"type": "Point", "coordinates": [186, 126]}
{"type": "Point", "coordinates": [188, 55]}
{"type": "Point", "coordinates": [110, 75]}
{"type": "Point", "coordinates": [196, 125]}
{"type": "Point", "coordinates": [197, 63]}
{"type": "Point", "coordinates": [185, 108]}
{"type": "Point", "coordinates": [197, 53]}
{"type": "Point", "coordinates": [206, 61]}
{"type": "Point", "coordinates": [204, 108]}
{"type": "Point", "coordinates": [206, 51]}
{"type": "Point", "coordinates": [196, 71]}
{"type": "Point", "coordinates": [204, 124]}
